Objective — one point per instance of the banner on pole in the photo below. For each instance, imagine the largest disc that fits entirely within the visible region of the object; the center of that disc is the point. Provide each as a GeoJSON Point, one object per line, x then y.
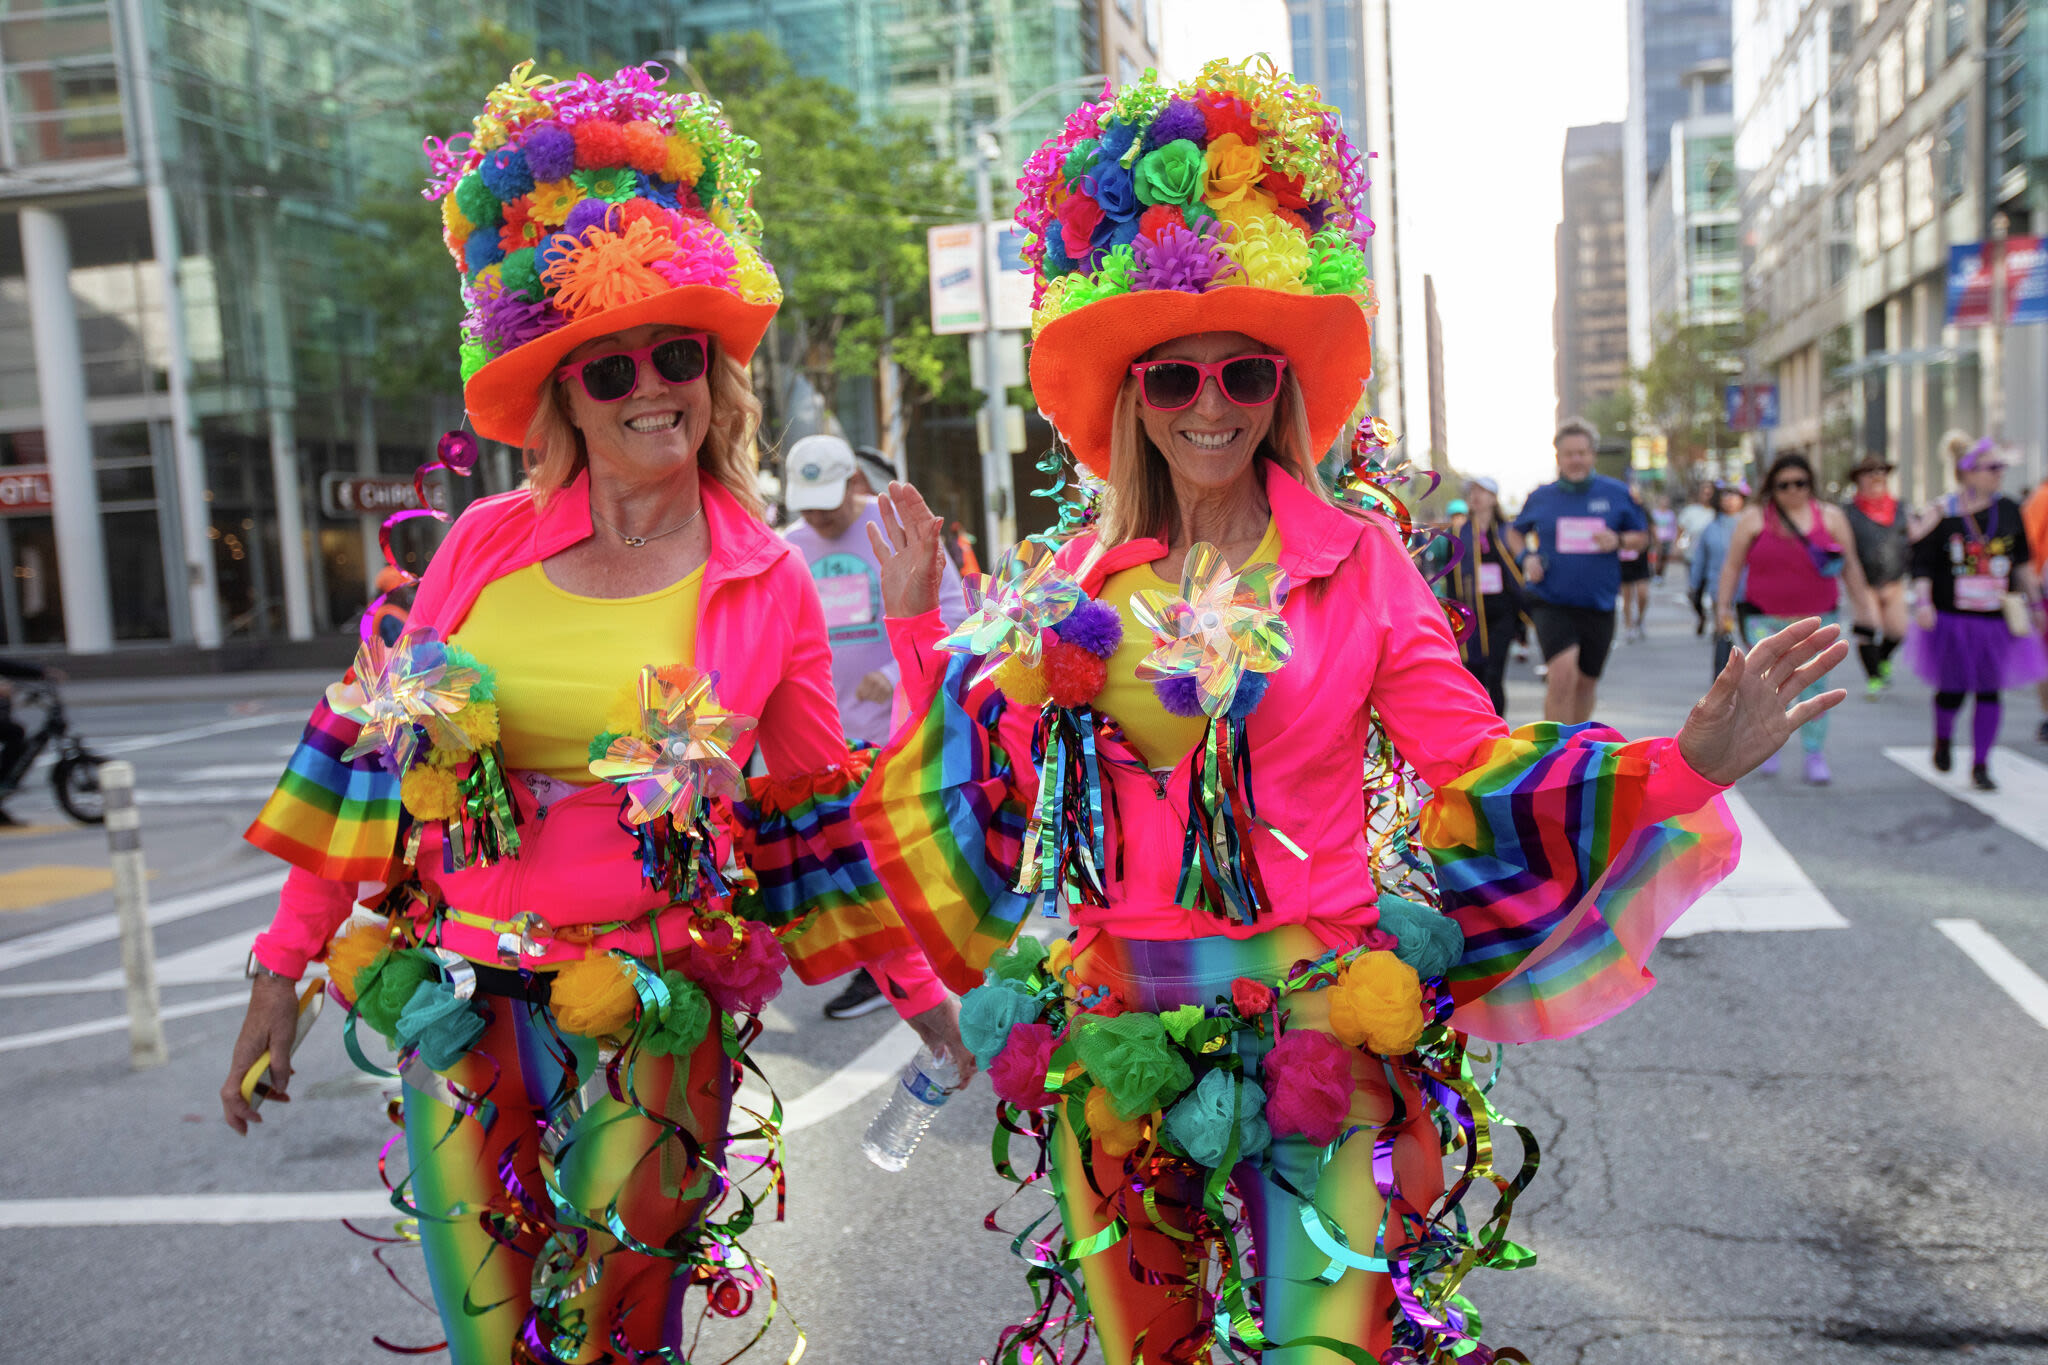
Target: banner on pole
{"type": "Point", "coordinates": [955, 264]}
{"type": "Point", "coordinates": [1969, 283]}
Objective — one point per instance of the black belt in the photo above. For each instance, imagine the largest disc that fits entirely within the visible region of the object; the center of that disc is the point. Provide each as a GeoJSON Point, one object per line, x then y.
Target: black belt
{"type": "Point", "coordinates": [533, 987]}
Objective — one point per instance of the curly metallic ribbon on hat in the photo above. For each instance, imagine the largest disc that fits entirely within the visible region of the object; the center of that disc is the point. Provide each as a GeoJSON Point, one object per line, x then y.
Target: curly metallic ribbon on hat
{"type": "Point", "coordinates": [456, 452]}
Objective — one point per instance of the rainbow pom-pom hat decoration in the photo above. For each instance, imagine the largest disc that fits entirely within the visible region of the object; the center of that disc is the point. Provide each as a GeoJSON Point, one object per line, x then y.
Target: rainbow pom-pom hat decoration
{"type": "Point", "coordinates": [580, 207]}
{"type": "Point", "coordinates": [1233, 203]}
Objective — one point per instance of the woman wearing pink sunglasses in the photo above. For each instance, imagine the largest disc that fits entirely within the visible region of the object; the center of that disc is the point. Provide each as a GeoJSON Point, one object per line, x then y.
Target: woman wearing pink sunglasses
{"type": "Point", "coordinates": [1266, 980]}
{"type": "Point", "coordinates": [579, 903]}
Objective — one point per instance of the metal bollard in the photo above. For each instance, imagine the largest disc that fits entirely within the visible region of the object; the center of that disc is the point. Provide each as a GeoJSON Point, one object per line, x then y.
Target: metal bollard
{"type": "Point", "coordinates": [131, 906]}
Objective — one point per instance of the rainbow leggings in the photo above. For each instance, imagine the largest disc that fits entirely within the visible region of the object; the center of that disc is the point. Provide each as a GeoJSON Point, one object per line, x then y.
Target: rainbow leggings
{"type": "Point", "coordinates": [1138, 1294]}
{"type": "Point", "coordinates": [480, 1182]}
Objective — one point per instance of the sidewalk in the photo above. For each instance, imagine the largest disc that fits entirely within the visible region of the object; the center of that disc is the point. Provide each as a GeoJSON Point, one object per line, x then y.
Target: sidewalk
{"type": "Point", "coordinates": [298, 685]}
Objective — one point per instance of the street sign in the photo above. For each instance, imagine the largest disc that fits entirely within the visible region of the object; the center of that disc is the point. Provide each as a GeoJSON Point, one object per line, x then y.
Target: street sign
{"type": "Point", "coordinates": [955, 263]}
{"type": "Point", "coordinates": [374, 495]}
{"type": "Point", "coordinates": [25, 491]}
{"type": "Point", "coordinates": [1750, 407]}
{"type": "Point", "coordinates": [958, 255]}
{"type": "Point", "coordinates": [1012, 275]}
{"type": "Point", "coordinates": [2026, 283]}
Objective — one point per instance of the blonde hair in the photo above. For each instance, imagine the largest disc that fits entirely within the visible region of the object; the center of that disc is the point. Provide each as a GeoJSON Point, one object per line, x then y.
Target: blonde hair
{"type": "Point", "coordinates": [1139, 499]}
{"type": "Point", "coordinates": [554, 450]}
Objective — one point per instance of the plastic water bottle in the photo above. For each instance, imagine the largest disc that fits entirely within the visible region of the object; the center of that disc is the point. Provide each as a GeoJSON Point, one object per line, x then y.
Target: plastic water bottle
{"type": "Point", "coordinates": [927, 1082]}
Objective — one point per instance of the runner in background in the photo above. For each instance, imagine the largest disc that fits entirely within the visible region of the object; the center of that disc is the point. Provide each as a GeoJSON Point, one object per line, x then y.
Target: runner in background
{"type": "Point", "coordinates": [1976, 607]}
{"type": "Point", "coordinates": [1486, 578]}
{"type": "Point", "coordinates": [1576, 527]}
{"type": "Point", "coordinates": [2034, 515]}
{"type": "Point", "coordinates": [826, 488]}
{"type": "Point", "coordinates": [1664, 522]}
{"type": "Point", "coordinates": [1882, 548]}
{"type": "Point", "coordinates": [1635, 577]}
{"type": "Point", "coordinates": [1695, 517]}
{"type": "Point", "coordinates": [1709, 553]}
{"type": "Point", "coordinates": [1793, 550]}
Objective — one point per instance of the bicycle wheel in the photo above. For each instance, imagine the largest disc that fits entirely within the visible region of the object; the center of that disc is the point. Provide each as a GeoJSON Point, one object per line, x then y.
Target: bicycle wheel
{"type": "Point", "coordinates": [77, 781]}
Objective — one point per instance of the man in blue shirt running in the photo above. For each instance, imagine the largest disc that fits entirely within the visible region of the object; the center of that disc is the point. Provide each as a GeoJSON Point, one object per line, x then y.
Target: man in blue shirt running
{"type": "Point", "coordinates": [1576, 529]}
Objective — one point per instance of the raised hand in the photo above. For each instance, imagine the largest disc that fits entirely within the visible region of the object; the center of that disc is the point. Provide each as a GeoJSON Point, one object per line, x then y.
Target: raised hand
{"type": "Point", "coordinates": [1750, 711]}
{"type": "Point", "coordinates": [907, 547]}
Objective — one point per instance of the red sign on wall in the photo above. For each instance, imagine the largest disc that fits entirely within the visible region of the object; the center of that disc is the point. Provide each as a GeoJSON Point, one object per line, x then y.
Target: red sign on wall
{"type": "Point", "coordinates": [24, 490]}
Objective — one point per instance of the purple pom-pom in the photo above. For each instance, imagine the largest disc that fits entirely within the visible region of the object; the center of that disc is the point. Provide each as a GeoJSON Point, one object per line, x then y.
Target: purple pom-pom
{"type": "Point", "coordinates": [1179, 119]}
{"type": "Point", "coordinates": [587, 214]}
{"type": "Point", "coordinates": [1179, 259]}
{"type": "Point", "coordinates": [1095, 627]}
{"type": "Point", "coordinates": [1251, 690]}
{"type": "Point", "coordinates": [1316, 215]}
{"type": "Point", "coordinates": [1179, 695]}
{"type": "Point", "coordinates": [550, 151]}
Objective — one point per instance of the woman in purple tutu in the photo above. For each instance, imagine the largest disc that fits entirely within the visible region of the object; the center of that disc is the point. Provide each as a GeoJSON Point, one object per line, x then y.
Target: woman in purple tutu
{"type": "Point", "coordinates": [1976, 605]}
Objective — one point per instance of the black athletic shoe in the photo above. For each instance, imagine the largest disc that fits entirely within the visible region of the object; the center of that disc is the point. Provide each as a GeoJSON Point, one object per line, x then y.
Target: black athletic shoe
{"type": "Point", "coordinates": [2041, 735]}
{"type": "Point", "coordinates": [1944, 758]}
{"type": "Point", "coordinates": [1980, 778]}
{"type": "Point", "coordinates": [861, 996]}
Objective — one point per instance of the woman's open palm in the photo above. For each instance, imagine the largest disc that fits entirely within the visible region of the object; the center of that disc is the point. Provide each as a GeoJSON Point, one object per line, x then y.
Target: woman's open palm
{"type": "Point", "coordinates": [907, 547]}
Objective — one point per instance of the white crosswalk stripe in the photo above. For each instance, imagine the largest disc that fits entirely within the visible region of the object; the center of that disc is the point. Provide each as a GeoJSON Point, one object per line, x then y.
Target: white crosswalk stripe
{"type": "Point", "coordinates": [1768, 892]}
{"type": "Point", "coordinates": [2021, 802]}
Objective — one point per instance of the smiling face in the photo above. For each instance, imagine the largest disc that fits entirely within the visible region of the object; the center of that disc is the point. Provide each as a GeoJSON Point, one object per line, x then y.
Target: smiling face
{"type": "Point", "coordinates": [654, 430]}
{"type": "Point", "coordinates": [1211, 442]}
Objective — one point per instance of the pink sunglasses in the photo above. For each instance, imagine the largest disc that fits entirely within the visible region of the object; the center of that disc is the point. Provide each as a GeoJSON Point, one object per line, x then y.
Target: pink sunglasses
{"type": "Point", "coordinates": [610, 377]}
{"type": "Point", "coordinates": [1250, 381]}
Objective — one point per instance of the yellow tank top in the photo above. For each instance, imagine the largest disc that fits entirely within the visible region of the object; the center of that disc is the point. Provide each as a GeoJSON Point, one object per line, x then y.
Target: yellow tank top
{"type": "Point", "coordinates": [566, 664]}
{"type": "Point", "coordinates": [1161, 738]}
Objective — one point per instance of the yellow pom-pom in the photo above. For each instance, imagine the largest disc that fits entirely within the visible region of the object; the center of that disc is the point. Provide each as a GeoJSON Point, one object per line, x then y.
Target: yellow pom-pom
{"type": "Point", "coordinates": [353, 949]}
{"type": "Point", "coordinates": [685, 163]}
{"type": "Point", "coordinates": [430, 793]}
{"type": "Point", "coordinates": [1021, 683]}
{"type": "Point", "coordinates": [1118, 1135]}
{"type": "Point", "coordinates": [478, 722]}
{"type": "Point", "coordinates": [594, 996]}
{"type": "Point", "coordinates": [1377, 1005]}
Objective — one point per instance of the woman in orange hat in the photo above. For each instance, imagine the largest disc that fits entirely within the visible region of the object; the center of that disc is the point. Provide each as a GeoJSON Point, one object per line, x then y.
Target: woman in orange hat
{"type": "Point", "coordinates": [581, 905]}
{"type": "Point", "coordinates": [1178, 727]}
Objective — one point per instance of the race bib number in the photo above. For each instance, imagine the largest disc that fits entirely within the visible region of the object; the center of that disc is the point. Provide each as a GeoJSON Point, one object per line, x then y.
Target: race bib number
{"type": "Point", "coordinates": [846, 600]}
{"type": "Point", "coordinates": [1979, 592]}
{"type": "Point", "coordinates": [1578, 535]}
{"type": "Point", "coordinates": [1489, 579]}
{"type": "Point", "coordinates": [1630, 556]}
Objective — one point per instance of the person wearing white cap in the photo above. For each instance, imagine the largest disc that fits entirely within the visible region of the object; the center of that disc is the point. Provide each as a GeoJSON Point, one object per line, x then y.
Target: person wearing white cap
{"type": "Point", "coordinates": [832, 502]}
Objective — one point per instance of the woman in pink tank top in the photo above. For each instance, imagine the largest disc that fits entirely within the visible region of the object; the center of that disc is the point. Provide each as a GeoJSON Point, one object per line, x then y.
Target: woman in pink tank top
{"type": "Point", "coordinates": [1789, 548]}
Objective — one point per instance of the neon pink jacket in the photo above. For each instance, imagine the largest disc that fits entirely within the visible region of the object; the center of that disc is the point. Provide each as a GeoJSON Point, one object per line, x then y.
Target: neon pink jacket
{"type": "Point", "coordinates": [759, 628]}
{"type": "Point", "coordinates": [1551, 844]}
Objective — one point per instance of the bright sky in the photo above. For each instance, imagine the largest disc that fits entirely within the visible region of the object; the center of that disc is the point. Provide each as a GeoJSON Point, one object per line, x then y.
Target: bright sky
{"type": "Point", "coordinates": [1483, 93]}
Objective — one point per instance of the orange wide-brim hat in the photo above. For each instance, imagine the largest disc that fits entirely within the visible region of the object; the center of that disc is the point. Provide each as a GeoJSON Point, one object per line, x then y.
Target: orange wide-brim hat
{"type": "Point", "coordinates": [1082, 359]}
{"type": "Point", "coordinates": [503, 396]}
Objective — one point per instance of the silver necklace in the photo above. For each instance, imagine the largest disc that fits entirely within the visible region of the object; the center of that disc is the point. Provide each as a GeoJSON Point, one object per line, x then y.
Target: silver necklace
{"type": "Point", "coordinates": [635, 542]}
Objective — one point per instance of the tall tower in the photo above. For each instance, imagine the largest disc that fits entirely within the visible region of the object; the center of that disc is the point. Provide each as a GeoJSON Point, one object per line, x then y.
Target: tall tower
{"type": "Point", "coordinates": [1345, 49]}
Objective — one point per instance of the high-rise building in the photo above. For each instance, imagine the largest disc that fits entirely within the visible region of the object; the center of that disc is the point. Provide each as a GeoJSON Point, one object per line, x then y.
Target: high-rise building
{"type": "Point", "coordinates": [1666, 39]}
{"type": "Point", "coordinates": [1433, 349]}
{"type": "Point", "coordinates": [1695, 214]}
{"type": "Point", "coordinates": [1871, 138]}
{"type": "Point", "coordinates": [1590, 321]}
{"type": "Point", "coordinates": [1345, 49]}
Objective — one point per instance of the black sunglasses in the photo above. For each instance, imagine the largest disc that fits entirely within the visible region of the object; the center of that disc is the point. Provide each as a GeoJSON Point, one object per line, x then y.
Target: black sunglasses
{"type": "Point", "coordinates": [1785, 485]}
{"type": "Point", "coordinates": [609, 378]}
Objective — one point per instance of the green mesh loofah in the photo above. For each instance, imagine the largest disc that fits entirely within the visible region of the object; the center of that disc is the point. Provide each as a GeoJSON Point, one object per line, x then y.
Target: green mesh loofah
{"type": "Point", "coordinates": [683, 1024]}
{"type": "Point", "coordinates": [1019, 961]}
{"type": "Point", "coordinates": [1131, 1057]}
{"type": "Point", "coordinates": [387, 985]}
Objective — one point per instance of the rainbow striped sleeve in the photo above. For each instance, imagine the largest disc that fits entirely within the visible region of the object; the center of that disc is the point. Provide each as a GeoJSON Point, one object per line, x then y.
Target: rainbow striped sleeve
{"type": "Point", "coordinates": [335, 818]}
{"type": "Point", "coordinates": [1549, 861]}
{"type": "Point", "coordinates": [814, 883]}
{"type": "Point", "coordinates": [944, 819]}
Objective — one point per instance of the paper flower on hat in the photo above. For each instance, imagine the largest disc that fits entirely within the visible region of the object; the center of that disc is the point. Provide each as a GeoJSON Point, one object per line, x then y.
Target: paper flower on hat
{"type": "Point", "coordinates": [1221, 626]}
{"type": "Point", "coordinates": [399, 690]}
{"type": "Point", "coordinates": [683, 750]}
{"type": "Point", "coordinates": [1027, 594]}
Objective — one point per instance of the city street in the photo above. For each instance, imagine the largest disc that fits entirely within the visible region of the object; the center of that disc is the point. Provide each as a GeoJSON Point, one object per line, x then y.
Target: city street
{"type": "Point", "coordinates": [1820, 1139]}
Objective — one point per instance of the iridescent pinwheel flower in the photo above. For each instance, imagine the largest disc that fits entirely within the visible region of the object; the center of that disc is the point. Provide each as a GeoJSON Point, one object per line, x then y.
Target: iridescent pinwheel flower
{"type": "Point", "coordinates": [1027, 594]}
{"type": "Point", "coordinates": [1221, 626]}
{"type": "Point", "coordinates": [399, 690]}
{"type": "Point", "coordinates": [683, 750]}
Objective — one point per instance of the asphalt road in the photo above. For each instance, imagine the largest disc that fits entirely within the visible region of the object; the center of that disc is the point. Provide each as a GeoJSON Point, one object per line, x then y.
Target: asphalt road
{"type": "Point", "coordinates": [1819, 1144]}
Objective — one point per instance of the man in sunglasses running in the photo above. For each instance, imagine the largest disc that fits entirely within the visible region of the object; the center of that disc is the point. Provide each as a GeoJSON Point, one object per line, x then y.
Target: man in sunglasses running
{"type": "Point", "coordinates": [1576, 529]}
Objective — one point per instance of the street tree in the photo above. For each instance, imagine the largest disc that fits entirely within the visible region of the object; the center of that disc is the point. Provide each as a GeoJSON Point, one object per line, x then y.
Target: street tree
{"type": "Point", "coordinates": [1680, 391]}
